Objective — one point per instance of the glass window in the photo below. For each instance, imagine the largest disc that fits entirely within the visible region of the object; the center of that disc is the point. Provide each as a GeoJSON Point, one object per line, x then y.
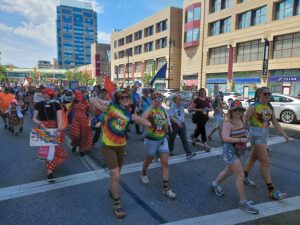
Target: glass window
{"type": "Point", "coordinates": [259, 16]}
{"type": "Point", "coordinates": [216, 5]}
{"type": "Point", "coordinates": [286, 46]}
{"type": "Point", "coordinates": [297, 7]}
{"type": "Point", "coordinates": [226, 25]}
{"type": "Point", "coordinates": [190, 16]}
{"type": "Point", "coordinates": [215, 28]}
{"type": "Point", "coordinates": [284, 9]}
{"type": "Point", "coordinates": [218, 55]}
{"type": "Point", "coordinates": [245, 20]}
{"type": "Point", "coordinates": [196, 34]}
{"type": "Point", "coordinates": [197, 13]}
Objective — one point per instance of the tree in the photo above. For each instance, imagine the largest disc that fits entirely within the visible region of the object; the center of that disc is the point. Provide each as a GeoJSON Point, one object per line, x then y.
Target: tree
{"type": "Point", "coordinates": [69, 75]}
{"type": "Point", "coordinates": [91, 82]}
{"type": "Point", "coordinates": [2, 72]}
{"type": "Point", "coordinates": [147, 78]}
{"type": "Point", "coordinates": [77, 76]}
{"type": "Point", "coordinates": [85, 78]}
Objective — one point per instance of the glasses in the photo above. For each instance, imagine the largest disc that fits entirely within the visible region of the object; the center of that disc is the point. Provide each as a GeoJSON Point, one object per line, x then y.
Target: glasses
{"type": "Point", "coordinates": [267, 94]}
{"type": "Point", "coordinates": [124, 97]}
{"type": "Point", "coordinates": [159, 99]}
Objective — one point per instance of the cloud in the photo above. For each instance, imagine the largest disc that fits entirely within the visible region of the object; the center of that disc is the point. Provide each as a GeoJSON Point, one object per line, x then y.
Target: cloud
{"type": "Point", "coordinates": [104, 37]}
{"type": "Point", "coordinates": [123, 6]}
{"type": "Point", "coordinates": [96, 6]}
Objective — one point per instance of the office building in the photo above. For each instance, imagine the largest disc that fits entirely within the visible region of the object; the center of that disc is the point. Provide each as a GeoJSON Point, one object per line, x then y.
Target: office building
{"type": "Point", "coordinates": [76, 31]}
{"type": "Point", "coordinates": [224, 42]}
{"type": "Point", "coordinates": [146, 46]}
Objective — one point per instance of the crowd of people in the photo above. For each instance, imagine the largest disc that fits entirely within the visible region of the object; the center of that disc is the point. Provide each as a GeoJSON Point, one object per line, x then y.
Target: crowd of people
{"type": "Point", "coordinates": [91, 115]}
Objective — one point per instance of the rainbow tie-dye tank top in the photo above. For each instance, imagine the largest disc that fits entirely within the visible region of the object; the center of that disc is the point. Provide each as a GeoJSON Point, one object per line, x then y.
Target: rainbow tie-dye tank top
{"type": "Point", "coordinates": [115, 124]}
{"type": "Point", "coordinates": [158, 119]}
{"type": "Point", "coordinates": [262, 115]}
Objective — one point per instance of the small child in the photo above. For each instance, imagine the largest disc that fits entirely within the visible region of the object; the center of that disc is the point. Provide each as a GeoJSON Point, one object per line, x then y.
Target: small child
{"type": "Point", "coordinates": [15, 117]}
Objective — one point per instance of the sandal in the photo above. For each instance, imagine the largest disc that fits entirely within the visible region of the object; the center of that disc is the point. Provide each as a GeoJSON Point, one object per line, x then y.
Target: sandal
{"type": "Point", "coordinates": [119, 212]}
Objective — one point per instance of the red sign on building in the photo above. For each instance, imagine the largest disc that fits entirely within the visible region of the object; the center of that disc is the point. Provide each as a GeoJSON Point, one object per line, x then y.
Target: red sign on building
{"type": "Point", "coordinates": [97, 65]}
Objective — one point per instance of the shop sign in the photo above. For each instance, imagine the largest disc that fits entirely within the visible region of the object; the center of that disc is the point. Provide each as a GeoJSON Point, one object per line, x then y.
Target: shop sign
{"type": "Point", "coordinates": [284, 79]}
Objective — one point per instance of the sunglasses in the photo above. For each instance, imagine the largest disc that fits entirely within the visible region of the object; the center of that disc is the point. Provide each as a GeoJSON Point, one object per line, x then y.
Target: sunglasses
{"type": "Point", "coordinates": [267, 94]}
{"type": "Point", "coordinates": [124, 97]}
{"type": "Point", "coordinates": [159, 99]}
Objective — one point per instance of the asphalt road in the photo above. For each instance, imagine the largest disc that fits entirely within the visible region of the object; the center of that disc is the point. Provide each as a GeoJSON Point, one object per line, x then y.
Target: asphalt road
{"type": "Point", "coordinates": [79, 195]}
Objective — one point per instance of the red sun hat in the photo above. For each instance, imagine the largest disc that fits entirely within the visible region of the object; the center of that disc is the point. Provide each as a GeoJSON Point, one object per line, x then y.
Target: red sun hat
{"type": "Point", "coordinates": [78, 95]}
{"type": "Point", "coordinates": [236, 105]}
{"type": "Point", "coordinates": [48, 91]}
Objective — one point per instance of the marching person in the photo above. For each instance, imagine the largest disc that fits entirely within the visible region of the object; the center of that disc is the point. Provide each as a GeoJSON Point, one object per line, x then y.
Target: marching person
{"type": "Point", "coordinates": [5, 99]}
{"type": "Point", "coordinates": [234, 136]}
{"type": "Point", "coordinates": [115, 120]}
{"type": "Point", "coordinates": [47, 114]}
{"type": "Point", "coordinates": [177, 117]}
{"type": "Point", "coordinates": [144, 103]}
{"type": "Point", "coordinates": [218, 117]}
{"type": "Point", "coordinates": [201, 106]}
{"type": "Point", "coordinates": [81, 132]}
{"type": "Point", "coordinates": [156, 141]}
{"type": "Point", "coordinates": [261, 114]}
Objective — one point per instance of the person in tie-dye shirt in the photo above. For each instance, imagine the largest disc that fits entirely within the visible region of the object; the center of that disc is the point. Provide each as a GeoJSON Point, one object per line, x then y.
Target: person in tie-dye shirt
{"type": "Point", "coordinates": [261, 114]}
{"type": "Point", "coordinates": [115, 120]}
{"type": "Point", "coordinates": [156, 141]}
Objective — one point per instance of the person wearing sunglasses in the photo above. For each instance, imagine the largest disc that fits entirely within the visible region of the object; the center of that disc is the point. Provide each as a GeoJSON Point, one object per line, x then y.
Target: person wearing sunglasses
{"type": "Point", "coordinates": [115, 120]}
{"type": "Point", "coordinates": [260, 114]}
{"type": "Point", "coordinates": [156, 142]}
{"type": "Point", "coordinates": [234, 135]}
{"type": "Point", "coordinates": [176, 113]}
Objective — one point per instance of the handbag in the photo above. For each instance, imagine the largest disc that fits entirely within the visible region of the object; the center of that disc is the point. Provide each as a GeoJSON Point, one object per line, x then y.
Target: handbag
{"type": "Point", "coordinates": [240, 148]}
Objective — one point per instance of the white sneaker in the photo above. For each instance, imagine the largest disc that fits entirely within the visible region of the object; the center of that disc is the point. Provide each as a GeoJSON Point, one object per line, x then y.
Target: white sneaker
{"type": "Point", "coordinates": [145, 179]}
{"type": "Point", "coordinates": [170, 194]}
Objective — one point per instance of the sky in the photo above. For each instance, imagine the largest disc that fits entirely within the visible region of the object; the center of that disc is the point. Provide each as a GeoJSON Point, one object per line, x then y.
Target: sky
{"type": "Point", "coordinates": [28, 28]}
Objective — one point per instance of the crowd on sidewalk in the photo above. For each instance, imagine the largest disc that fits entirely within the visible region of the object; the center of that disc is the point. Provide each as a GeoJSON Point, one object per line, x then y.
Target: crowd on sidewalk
{"type": "Point", "coordinates": [89, 115]}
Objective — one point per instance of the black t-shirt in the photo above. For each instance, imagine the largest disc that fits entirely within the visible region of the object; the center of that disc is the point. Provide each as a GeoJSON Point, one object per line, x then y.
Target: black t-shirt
{"type": "Point", "coordinates": [199, 105]}
{"type": "Point", "coordinates": [47, 111]}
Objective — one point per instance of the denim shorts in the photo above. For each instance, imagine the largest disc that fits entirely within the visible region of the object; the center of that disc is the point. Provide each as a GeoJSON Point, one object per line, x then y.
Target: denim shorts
{"type": "Point", "coordinates": [258, 135]}
{"type": "Point", "coordinates": [217, 121]}
{"type": "Point", "coordinates": [229, 153]}
{"type": "Point", "coordinates": [152, 147]}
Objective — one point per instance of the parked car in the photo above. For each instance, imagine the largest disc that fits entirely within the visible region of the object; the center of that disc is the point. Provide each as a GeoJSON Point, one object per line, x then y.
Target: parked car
{"type": "Point", "coordinates": [232, 95]}
{"type": "Point", "coordinates": [169, 92]}
{"type": "Point", "coordinates": [186, 95]}
{"type": "Point", "coordinates": [286, 108]}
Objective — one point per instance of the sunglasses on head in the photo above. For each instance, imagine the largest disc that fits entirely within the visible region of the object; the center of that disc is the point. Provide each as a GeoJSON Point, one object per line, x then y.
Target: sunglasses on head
{"type": "Point", "coordinates": [124, 97]}
{"type": "Point", "coordinates": [267, 94]}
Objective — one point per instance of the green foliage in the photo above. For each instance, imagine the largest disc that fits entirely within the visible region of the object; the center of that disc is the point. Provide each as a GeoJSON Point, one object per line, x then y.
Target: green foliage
{"type": "Point", "coordinates": [147, 79]}
{"type": "Point", "coordinates": [91, 82]}
{"type": "Point", "coordinates": [2, 72]}
{"type": "Point", "coordinates": [69, 75]}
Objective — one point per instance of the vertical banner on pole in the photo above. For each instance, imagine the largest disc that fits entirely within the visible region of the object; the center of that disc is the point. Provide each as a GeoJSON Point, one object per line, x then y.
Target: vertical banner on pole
{"type": "Point", "coordinates": [230, 71]}
{"type": "Point", "coordinates": [97, 65]}
{"type": "Point", "coordinates": [264, 74]}
{"type": "Point", "coordinates": [132, 71]}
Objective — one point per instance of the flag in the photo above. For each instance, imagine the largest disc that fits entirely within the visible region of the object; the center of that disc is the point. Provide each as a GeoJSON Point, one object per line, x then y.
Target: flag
{"type": "Point", "coordinates": [109, 86]}
{"type": "Point", "coordinates": [161, 73]}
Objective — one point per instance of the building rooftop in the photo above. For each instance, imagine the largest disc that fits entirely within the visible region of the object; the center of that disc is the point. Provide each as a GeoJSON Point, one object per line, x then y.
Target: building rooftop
{"type": "Point", "coordinates": [76, 4]}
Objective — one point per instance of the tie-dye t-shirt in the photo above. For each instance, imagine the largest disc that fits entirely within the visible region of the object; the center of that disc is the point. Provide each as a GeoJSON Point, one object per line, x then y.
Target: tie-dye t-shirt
{"type": "Point", "coordinates": [262, 115]}
{"type": "Point", "coordinates": [115, 124]}
{"type": "Point", "coordinates": [158, 119]}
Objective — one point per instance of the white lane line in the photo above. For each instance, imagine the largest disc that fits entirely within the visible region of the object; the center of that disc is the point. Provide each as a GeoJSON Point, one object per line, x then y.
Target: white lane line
{"type": "Point", "coordinates": [237, 216]}
{"type": "Point", "coordinates": [81, 178]}
{"type": "Point", "coordinates": [87, 161]}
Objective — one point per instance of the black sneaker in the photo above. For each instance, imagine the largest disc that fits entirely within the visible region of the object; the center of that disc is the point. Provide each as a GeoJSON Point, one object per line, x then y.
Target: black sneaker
{"type": "Point", "coordinates": [5, 127]}
{"type": "Point", "coordinates": [74, 149]}
{"type": "Point", "coordinates": [50, 177]}
{"type": "Point", "coordinates": [82, 154]}
{"type": "Point", "coordinates": [191, 155]}
{"type": "Point", "coordinates": [21, 129]}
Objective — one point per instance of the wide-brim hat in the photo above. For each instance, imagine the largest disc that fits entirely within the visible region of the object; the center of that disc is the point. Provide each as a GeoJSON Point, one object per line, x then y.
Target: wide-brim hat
{"type": "Point", "coordinates": [236, 105]}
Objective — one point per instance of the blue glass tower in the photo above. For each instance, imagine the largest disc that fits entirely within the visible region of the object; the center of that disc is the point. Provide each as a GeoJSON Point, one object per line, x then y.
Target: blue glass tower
{"type": "Point", "coordinates": [76, 24]}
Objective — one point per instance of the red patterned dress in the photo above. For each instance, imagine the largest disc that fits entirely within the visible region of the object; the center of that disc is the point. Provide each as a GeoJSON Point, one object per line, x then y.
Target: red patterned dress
{"type": "Point", "coordinates": [81, 132]}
